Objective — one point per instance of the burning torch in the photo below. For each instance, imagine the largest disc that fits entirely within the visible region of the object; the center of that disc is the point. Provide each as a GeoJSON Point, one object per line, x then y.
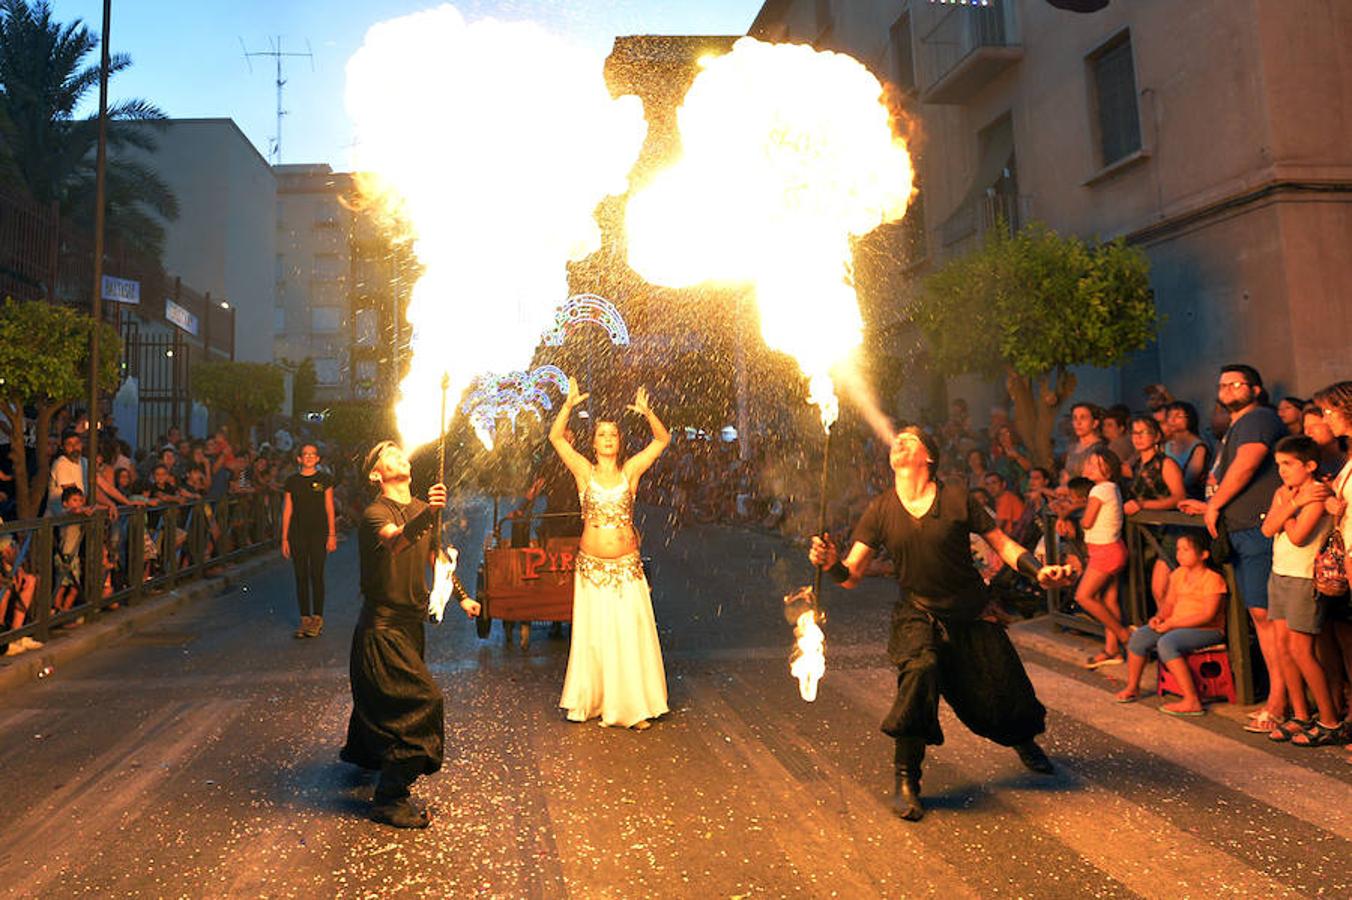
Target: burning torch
{"type": "Point", "coordinates": [445, 583]}
{"type": "Point", "coordinates": [802, 608]}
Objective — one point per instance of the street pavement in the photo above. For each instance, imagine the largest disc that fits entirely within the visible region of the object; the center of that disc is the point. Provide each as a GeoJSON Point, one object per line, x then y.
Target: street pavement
{"type": "Point", "coordinates": [198, 757]}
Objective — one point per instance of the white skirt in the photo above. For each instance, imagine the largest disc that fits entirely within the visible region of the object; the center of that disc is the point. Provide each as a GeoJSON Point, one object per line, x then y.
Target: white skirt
{"type": "Point", "coordinates": [615, 661]}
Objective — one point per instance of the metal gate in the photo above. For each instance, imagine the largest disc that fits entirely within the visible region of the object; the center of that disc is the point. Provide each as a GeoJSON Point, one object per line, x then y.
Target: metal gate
{"type": "Point", "coordinates": [160, 363]}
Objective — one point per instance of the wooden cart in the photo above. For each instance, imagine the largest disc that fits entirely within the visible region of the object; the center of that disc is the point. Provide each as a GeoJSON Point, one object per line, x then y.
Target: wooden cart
{"type": "Point", "coordinates": [523, 584]}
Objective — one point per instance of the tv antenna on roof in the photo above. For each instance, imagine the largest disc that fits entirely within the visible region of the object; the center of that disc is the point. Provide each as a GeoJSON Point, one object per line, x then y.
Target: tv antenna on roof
{"type": "Point", "coordinates": [277, 55]}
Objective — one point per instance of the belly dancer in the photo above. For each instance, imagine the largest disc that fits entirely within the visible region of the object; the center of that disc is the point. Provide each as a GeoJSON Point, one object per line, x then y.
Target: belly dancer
{"type": "Point", "coordinates": [615, 661]}
{"type": "Point", "coordinates": [939, 642]}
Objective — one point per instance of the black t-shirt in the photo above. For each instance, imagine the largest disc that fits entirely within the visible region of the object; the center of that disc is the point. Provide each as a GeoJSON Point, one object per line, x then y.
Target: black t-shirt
{"type": "Point", "coordinates": [308, 514]}
{"type": "Point", "coordinates": [933, 554]}
{"type": "Point", "coordinates": [1257, 426]}
{"type": "Point", "coordinates": [388, 579]}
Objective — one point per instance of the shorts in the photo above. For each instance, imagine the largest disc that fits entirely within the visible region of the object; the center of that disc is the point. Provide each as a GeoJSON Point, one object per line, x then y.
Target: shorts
{"type": "Point", "coordinates": [1108, 558]}
{"type": "Point", "coordinates": [1293, 599]}
{"type": "Point", "coordinates": [1251, 557]}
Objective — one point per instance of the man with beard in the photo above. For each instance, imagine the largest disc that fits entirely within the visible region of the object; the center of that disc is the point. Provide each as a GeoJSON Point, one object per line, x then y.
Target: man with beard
{"type": "Point", "coordinates": [939, 642]}
{"type": "Point", "coordinates": [397, 725]}
{"type": "Point", "coordinates": [1241, 486]}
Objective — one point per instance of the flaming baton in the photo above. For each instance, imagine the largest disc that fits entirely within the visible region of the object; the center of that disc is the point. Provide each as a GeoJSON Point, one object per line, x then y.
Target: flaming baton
{"type": "Point", "coordinates": [787, 153]}
{"type": "Point", "coordinates": [444, 582]}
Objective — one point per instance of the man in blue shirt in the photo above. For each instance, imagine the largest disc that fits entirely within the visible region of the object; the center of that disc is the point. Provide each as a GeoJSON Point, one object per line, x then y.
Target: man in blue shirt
{"type": "Point", "coordinates": [1245, 478]}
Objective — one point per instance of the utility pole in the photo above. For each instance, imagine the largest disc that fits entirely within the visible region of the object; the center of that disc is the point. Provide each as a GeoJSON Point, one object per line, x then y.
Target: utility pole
{"type": "Point", "coordinates": [96, 296]}
{"type": "Point", "coordinates": [277, 55]}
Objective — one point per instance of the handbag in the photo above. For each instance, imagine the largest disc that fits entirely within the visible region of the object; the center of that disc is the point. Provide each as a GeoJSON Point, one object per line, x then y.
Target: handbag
{"type": "Point", "coordinates": [1330, 564]}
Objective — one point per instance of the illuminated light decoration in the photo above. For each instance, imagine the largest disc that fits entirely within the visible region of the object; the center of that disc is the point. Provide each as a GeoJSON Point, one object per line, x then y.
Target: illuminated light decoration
{"type": "Point", "coordinates": [961, 2]}
{"type": "Point", "coordinates": [449, 115]}
{"type": "Point", "coordinates": [788, 153]}
{"type": "Point", "coordinates": [591, 308]}
{"type": "Point", "coordinates": [507, 396]}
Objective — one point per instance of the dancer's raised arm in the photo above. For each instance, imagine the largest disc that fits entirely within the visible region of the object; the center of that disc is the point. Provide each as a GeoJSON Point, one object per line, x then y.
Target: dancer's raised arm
{"type": "Point", "coordinates": [576, 462]}
{"type": "Point", "coordinates": [641, 461]}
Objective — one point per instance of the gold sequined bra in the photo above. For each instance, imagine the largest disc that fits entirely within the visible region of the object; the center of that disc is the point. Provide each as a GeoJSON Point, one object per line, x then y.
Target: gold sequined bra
{"type": "Point", "coordinates": [608, 507]}
{"type": "Point", "coordinates": [609, 572]}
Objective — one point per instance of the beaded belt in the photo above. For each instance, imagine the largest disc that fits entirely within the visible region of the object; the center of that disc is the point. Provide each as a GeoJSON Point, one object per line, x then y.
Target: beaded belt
{"type": "Point", "coordinates": [603, 572]}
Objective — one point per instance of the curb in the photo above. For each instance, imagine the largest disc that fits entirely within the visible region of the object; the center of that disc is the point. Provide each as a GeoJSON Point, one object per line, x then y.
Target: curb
{"type": "Point", "coordinates": [1040, 636]}
{"type": "Point", "coordinates": [111, 627]}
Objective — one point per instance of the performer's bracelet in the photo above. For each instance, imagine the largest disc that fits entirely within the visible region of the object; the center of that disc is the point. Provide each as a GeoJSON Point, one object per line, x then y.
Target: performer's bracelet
{"type": "Point", "coordinates": [420, 524]}
{"type": "Point", "coordinates": [839, 574]}
{"type": "Point", "coordinates": [459, 589]}
{"type": "Point", "coordinates": [1028, 565]}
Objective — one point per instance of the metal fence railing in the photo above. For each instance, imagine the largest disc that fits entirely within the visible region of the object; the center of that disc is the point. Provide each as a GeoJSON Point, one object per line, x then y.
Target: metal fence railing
{"type": "Point", "coordinates": [1144, 545]}
{"type": "Point", "coordinates": [60, 569]}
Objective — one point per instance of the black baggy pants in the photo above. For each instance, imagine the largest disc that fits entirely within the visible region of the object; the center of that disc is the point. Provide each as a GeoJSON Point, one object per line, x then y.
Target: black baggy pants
{"type": "Point", "coordinates": [972, 665]}
{"type": "Point", "coordinates": [308, 554]}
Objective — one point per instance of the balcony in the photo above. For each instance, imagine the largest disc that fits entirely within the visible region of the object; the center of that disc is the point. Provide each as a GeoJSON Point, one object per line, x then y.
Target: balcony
{"type": "Point", "coordinates": [965, 48]}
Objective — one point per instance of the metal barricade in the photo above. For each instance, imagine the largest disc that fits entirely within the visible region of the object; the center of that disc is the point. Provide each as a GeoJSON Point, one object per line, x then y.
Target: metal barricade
{"type": "Point", "coordinates": [1138, 604]}
{"type": "Point", "coordinates": [121, 559]}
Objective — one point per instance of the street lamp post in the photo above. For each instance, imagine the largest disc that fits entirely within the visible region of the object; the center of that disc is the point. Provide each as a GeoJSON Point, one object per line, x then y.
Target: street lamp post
{"type": "Point", "coordinates": [96, 296]}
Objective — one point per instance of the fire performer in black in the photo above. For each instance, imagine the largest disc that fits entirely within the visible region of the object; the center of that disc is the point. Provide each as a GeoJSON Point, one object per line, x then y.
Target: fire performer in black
{"type": "Point", "coordinates": [939, 642]}
{"type": "Point", "coordinates": [397, 724]}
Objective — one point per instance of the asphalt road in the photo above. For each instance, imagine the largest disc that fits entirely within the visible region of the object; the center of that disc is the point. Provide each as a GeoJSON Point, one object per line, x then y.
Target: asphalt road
{"type": "Point", "coordinates": [199, 758]}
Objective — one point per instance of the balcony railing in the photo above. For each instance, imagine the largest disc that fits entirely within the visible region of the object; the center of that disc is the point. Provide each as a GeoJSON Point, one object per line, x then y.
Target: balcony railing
{"type": "Point", "coordinates": [965, 48]}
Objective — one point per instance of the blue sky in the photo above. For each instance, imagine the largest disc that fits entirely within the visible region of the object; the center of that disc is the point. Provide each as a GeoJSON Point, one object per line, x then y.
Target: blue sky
{"type": "Point", "coordinates": [187, 55]}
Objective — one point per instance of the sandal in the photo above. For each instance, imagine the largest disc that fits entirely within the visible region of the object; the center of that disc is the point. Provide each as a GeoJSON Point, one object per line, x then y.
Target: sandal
{"type": "Point", "coordinates": [1263, 723]}
{"type": "Point", "coordinates": [1289, 729]}
{"type": "Point", "coordinates": [1317, 735]}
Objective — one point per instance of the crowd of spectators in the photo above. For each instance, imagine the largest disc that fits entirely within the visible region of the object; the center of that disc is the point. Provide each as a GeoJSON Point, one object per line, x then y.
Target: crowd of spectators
{"type": "Point", "coordinates": [1259, 487]}
{"type": "Point", "coordinates": [191, 475]}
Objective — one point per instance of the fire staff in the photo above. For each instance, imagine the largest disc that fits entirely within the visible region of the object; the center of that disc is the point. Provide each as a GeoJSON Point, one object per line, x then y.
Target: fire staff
{"type": "Point", "coordinates": [939, 642]}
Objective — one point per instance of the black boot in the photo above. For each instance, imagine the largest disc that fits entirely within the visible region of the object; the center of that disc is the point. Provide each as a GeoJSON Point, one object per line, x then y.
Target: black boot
{"type": "Point", "coordinates": [392, 804]}
{"type": "Point", "coordinates": [906, 794]}
{"type": "Point", "coordinates": [1033, 756]}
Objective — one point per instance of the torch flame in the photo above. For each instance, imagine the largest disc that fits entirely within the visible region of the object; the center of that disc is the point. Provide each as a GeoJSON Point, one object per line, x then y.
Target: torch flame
{"type": "Point", "coordinates": [494, 141]}
{"type": "Point", "coordinates": [808, 663]}
{"type": "Point", "coordinates": [787, 152]}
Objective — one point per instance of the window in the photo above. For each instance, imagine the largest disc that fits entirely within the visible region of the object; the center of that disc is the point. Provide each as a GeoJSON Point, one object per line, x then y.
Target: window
{"type": "Point", "coordinates": [1114, 81]}
{"type": "Point", "coordinates": [326, 318]}
{"type": "Point", "coordinates": [904, 60]}
{"type": "Point", "coordinates": [329, 266]}
{"type": "Point", "coordinates": [366, 328]}
{"type": "Point", "coordinates": [327, 371]}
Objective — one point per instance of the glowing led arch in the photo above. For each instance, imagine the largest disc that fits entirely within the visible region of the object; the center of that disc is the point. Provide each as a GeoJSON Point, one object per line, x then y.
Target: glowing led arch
{"type": "Point", "coordinates": [588, 308]}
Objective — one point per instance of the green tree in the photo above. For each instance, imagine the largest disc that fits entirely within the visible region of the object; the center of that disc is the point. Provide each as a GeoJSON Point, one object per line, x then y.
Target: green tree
{"type": "Point", "coordinates": [244, 392]}
{"type": "Point", "coordinates": [1029, 306]}
{"type": "Point", "coordinates": [48, 153]}
{"type": "Point", "coordinates": [356, 425]}
{"type": "Point", "coordinates": [44, 363]}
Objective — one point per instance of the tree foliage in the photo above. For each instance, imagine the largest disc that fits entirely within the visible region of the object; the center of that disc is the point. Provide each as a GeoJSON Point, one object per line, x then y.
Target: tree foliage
{"type": "Point", "coordinates": [49, 153]}
{"type": "Point", "coordinates": [1031, 305]}
{"type": "Point", "coordinates": [44, 364]}
{"type": "Point", "coordinates": [356, 425]}
{"type": "Point", "coordinates": [242, 391]}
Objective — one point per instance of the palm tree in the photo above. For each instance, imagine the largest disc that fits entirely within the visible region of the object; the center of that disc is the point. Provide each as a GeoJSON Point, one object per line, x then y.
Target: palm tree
{"type": "Point", "coordinates": [48, 153]}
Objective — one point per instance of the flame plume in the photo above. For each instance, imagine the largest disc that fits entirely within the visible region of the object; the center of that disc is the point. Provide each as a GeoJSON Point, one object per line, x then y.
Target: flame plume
{"type": "Point", "coordinates": [787, 153]}
{"type": "Point", "coordinates": [495, 141]}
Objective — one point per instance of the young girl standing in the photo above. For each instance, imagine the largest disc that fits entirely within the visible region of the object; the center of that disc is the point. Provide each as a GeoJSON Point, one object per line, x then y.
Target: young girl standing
{"type": "Point", "coordinates": [309, 536]}
{"type": "Point", "coordinates": [1102, 522]}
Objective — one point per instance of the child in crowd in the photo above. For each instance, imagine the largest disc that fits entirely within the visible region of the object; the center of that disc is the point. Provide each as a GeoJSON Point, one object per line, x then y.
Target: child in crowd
{"type": "Point", "coordinates": [1102, 522]}
{"type": "Point", "coordinates": [1190, 617]}
{"type": "Point", "coordinates": [1298, 523]}
{"type": "Point", "coordinates": [67, 574]}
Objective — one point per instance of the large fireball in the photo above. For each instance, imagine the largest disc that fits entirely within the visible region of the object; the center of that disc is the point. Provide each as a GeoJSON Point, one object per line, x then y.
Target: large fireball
{"type": "Point", "coordinates": [495, 141]}
{"type": "Point", "coordinates": [787, 152]}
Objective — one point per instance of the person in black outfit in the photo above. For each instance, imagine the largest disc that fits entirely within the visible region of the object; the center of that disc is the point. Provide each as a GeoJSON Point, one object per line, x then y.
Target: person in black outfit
{"type": "Point", "coordinates": [939, 642]}
{"type": "Point", "coordinates": [309, 536]}
{"type": "Point", "coordinates": [396, 725]}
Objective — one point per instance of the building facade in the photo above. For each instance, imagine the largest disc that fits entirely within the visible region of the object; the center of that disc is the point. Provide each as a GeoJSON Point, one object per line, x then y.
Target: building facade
{"type": "Point", "coordinates": [223, 235]}
{"type": "Point", "coordinates": [1214, 134]}
{"type": "Point", "coordinates": [341, 288]}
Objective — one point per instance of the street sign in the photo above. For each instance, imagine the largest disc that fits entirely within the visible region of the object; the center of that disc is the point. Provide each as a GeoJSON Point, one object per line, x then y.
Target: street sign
{"type": "Point", "coordinates": [121, 290]}
{"type": "Point", "coordinates": [180, 316]}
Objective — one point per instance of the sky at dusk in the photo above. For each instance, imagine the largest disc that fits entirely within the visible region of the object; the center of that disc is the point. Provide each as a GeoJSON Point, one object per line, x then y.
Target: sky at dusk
{"type": "Point", "coordinates": [187, 56]}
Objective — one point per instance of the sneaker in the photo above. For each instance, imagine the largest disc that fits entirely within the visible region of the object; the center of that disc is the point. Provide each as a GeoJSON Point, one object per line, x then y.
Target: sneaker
{"type": "Point", "coordinates": [303, 630]}
{"type": "Point", "coordinates": [30, 644]}
{"type": "Point", "coordinates": [316, 627]}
